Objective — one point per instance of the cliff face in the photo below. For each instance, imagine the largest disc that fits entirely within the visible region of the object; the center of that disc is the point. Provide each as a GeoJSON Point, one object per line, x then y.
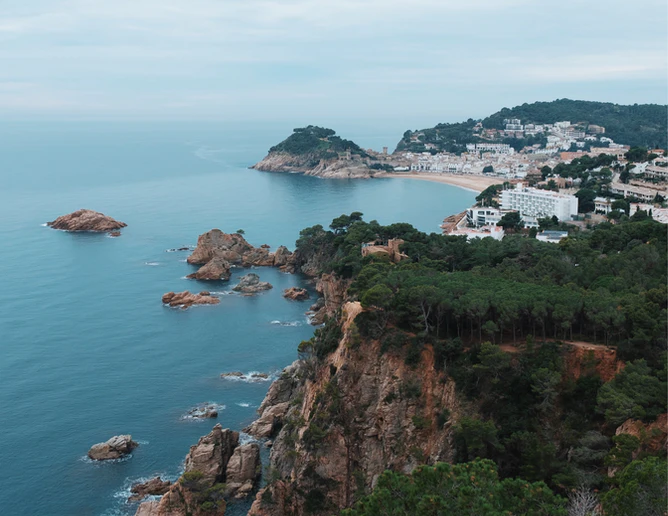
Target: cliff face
{"type": "Point", "coordinates": [312, 165]}
{"type": "Point", "coordinates": [346, 419]}
{"type": "Point", "coordinates": [217, 468]}
{"type": "Point", "coordinates": [581, 359]}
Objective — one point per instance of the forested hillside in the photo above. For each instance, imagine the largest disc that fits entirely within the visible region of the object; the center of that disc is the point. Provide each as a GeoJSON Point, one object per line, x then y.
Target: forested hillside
{"type": "Point", "coordinates": [644, 125]}
{"type": "Point", "coordinates": [509, 322]}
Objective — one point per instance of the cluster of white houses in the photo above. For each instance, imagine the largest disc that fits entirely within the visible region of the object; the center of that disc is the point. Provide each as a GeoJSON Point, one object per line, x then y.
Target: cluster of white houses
{"type": "Point", "coordinates": [531, 203]}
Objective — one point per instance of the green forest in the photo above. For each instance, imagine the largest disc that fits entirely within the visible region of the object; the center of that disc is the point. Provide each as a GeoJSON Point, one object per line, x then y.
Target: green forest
{"type": "Point", "coordinates": [529, 418]}
{"type": "Point", "coordinates": [317, 141]}
{"type": "Point", "coordinates": [644, 125]}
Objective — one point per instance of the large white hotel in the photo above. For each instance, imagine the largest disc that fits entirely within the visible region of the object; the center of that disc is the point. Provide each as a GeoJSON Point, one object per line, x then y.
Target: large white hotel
{"type": "Point", "coordinates": [534, 203]}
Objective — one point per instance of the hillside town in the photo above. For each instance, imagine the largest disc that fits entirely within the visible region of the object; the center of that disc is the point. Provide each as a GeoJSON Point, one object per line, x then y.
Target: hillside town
{"type": "Point", "coordinates": [576, 176]}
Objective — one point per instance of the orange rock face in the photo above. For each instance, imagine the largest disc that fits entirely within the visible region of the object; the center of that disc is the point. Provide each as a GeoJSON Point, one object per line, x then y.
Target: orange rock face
{"type": "Point", "coordinates": [653, 437]}
{"type": "Point", "coordinates": [86, 220]}
{"type": "Point", "coordinates": [295, 293]}
{"type": "Point", "coordinates": [185, 299]}
{"type": "Point", "coordinates": [582, 359]}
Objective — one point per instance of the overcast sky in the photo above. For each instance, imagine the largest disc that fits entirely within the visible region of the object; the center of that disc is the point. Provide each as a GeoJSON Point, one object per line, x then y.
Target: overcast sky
{"type": "Point", "coordinates": [233, 59]}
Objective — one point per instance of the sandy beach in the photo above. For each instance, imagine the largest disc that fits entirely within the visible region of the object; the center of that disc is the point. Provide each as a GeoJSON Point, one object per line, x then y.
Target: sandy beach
{"type": "Point", "coordinates": [470, 182]}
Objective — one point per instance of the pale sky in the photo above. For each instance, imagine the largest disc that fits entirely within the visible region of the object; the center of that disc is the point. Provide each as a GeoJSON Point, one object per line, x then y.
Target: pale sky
{"type": "Point", "coordinates": [268, 59]}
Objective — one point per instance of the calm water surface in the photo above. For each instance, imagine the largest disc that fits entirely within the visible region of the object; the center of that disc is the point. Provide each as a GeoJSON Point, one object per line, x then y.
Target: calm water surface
{"type": "Point", "coordinates": [87, 350]}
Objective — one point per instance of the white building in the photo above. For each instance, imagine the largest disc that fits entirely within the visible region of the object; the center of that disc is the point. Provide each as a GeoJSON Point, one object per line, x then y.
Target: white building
{"type": "Point", "coordinates": [478, 216]}
{"type": "Point", "coordinates": [495, 148]}
{"type": "Point", "coordinates": [534, 203]}
{"type": "Point", "coordinates": [602, 205]}
{"type": "Point", "coordinates": [553, 237]}
{"type": "Point", "coordinates": [494, 232]}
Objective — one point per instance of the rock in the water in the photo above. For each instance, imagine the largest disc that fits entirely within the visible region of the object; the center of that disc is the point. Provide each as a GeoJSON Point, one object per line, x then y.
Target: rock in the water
{"type": "Point", "coordinates": [115, 448]}
{"type": "Point", "coordinates": [86, 220]}
{"type": "Point", "coordinates": [243, 469]}
{"type": "Point", "coordinates": [296, 294]}
{"type": "Point", "coordinates": [216, 269]}
{"type": "Point", "coordinates": [233, 374]}
{"type": "Point", "coordinates": [185, 299]}
{"type": "Point", "coordinates": [154, 487]}
{"type": "Point", "coordinates": [202, 412]}
{"type": "Point", "coordinates": [251, 284]}
{"type": "Point", "coordinates": [115, 234]}
{"type": "Point", "coordinates": [212, 453]}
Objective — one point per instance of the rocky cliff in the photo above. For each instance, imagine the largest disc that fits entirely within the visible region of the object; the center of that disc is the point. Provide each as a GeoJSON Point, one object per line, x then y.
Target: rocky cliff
{"type": "Point", "coordinates": [340, 422]}
{"type": "Point", "coordinates": [312, 165]}
{"type": "Point", "coordinates": [217, 468]}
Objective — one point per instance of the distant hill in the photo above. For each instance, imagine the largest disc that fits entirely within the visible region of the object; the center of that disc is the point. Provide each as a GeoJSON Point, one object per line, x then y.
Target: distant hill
{"type": "Point", "coordinates": [317, 151]}
{"type": "Point", "coordinates": [318, 142]}
{"type": "Point", "coordinates": [643, 125]}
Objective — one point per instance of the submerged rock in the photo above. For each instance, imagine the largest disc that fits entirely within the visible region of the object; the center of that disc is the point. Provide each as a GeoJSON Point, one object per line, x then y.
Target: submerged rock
{"type": "Point", "coordinates": [234, 374]}
{"type": "Point", "coordinates": [115, 448]}
{"type": "Point", "coordinates": [296, 294]}
{"type": "Point", "coordinates": [185, 299]}
{"type": "Point", "coordinates": [154, 487]}
{"type": "Point", "coordinates": [86, 220]}
{"type": "Point", "coordinates": [202, 412]}
{"type": "Point", "coordinates": [251, 284]}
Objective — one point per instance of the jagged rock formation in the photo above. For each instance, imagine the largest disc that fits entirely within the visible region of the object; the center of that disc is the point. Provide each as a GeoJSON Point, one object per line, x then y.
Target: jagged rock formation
{"type": "Point", "coordinates": [185, 299]}
{"type": "Point", "coordinates": [333, 291]}
{"type": "Point", "coordinates": [296, 293]}
{"type": "Point", "coordinates": [251, 284]}
{"type": "Point", "coordinates": [115, 448]}
{"type": "Point", "coordinates": [340, 423]}
{"type": "Point", "coordinates": [154, 487]}
{"type": "Point", "coordinates": [87, 220]}
{"type": "Point", "coordinates": [217, 468]}
{"type": "Point", "coordinates": [217, 252]}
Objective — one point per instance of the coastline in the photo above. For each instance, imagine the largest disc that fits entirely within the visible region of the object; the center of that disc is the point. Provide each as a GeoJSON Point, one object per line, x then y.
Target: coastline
{"type": "Point", "coordinates": [473, 183]}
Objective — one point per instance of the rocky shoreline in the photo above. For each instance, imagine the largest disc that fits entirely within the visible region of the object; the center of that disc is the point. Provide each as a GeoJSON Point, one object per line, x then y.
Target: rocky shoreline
{"type": "Point", "coordinates": [310, 166]}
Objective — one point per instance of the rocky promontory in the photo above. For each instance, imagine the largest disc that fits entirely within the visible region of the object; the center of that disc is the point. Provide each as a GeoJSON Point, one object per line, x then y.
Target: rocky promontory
{"type": "Point", "coordinates": [154, 487]}
{"type": "Point", "coordinates": [217, 469]}
{"type": "Point", "coordinates": [115, 448]}
{"type": "Point", "coordinates": [317, 151]}
{"type": "Point", "coordinates": [185, 299]}
{"type": "Point", "coordinates": [87, 220]}
{"type": "Point", "coordinates": [218, 252]}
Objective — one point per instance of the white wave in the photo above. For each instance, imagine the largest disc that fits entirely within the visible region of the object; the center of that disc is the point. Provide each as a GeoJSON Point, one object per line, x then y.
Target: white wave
{"type": "Point", "coordinates": [243, 404]}
{"type": "Point", "coordinates": [88, 460]}
{"type": "Point", "coordinates": [152, 264]}
{"type": "Point", "coordinates": [286, 323]}
{"type": "Point", "coordinates": [197, 413]}
{"type": "Point", "coordinates": [251, 377]}
{"type": "Point", "coordinates": [45, 225]}
{"type": "Point", "coordinates": [143, 443]}
{"type": "Point", "coordinates": [245, 438]}
{"type": "Point", "coordinates": [223, 293]}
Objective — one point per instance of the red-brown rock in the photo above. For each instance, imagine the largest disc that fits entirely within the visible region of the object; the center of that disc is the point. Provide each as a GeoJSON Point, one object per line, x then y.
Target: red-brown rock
{"type": "Point", "coordinates": [86, 220]}
{"type": "Point", "coordinates": [154, 487]}
{"type": "Point", "coordinates": [296, 294]}
{"type": "Point", "coordinates": [186, 299]}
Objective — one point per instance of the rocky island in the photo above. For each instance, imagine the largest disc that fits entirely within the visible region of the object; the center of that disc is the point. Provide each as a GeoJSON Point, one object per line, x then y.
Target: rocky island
{"type": "Point", "coordinates": [317, 151]}
{"type": "Point", "coordinates": [217, 252]}
{"type": "Point", "coordinates": [115, 448]}
{"type": "Point", "coordinates": [87, 220]}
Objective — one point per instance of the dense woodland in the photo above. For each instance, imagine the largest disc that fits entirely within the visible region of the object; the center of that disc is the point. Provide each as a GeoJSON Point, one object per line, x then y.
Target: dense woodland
{"type": "Point", "coordinates": [317, 141]}
{"type": "Point", "coordinates": [527, 415]}
{"type": "Point", "coordinates": [638, 125]}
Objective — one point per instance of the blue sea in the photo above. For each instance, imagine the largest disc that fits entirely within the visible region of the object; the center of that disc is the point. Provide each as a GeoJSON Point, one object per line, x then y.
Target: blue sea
{"type": "Point", "coordinates": [87, 349]}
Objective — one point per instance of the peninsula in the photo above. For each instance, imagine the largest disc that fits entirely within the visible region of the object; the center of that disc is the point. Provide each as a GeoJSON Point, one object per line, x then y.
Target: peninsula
{"type": "Point", "coordinates": [317, 151]}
